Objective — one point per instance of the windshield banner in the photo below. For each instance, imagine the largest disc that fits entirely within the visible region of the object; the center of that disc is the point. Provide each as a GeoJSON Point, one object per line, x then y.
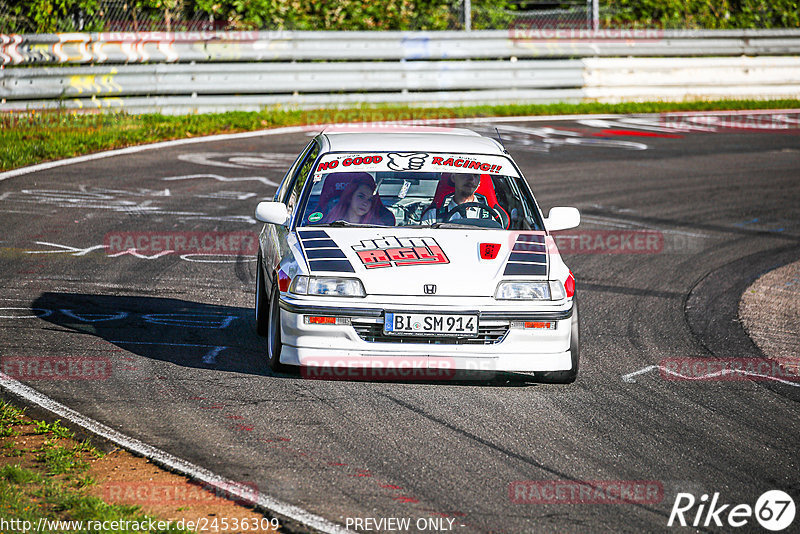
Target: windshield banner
{"type": "Point", "coordinates": [414, 162]}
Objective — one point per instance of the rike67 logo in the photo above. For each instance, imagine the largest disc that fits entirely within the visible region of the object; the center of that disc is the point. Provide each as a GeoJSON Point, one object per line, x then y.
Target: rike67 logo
{"type": "Point", "coordinates": [393, 251]}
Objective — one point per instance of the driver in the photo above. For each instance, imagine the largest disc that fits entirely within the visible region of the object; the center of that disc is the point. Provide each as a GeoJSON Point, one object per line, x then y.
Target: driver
{"type": "Point", "coordinates": [465, 186]}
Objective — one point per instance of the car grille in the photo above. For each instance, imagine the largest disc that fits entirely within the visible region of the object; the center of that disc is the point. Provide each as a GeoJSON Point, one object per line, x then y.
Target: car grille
{"type": "Point", "coordinates": [489, 333]}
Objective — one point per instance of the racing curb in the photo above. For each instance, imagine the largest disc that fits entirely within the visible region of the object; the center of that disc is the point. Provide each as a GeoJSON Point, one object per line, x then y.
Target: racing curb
{"type": "Point", "coordinates": [711, 308]}
{"type": "Point", "coordinates": [770, 312]}
{"type": "Point", "coordinates": [293, 519]}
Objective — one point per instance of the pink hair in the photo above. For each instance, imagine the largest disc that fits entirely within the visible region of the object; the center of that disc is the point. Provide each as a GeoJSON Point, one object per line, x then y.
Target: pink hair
{"type": "Point", "coordinates": [339, 211]}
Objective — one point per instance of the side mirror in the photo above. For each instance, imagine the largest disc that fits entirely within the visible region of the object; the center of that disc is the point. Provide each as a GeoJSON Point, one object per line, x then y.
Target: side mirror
{"type": "Point", "coordinates": [562, 219]}
{"type": "Point", "coordinates": [272, 212]}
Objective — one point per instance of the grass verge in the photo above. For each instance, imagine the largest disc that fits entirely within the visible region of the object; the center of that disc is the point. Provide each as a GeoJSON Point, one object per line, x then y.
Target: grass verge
{"type": "Point", "coordinates": [28, 138]}
{"type": "Point", "coordinates": [43, 481]}
{"type": "Point", "coordinates": [50, 482]}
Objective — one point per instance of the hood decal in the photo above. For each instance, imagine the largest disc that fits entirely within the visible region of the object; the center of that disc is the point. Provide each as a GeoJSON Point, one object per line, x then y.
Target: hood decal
{"type": "Point", "coordinates": [528, 256]}
{"type": "Point", "coordinates": [392, 251]}
{"type": "Point", "coordinates": [322, 252]}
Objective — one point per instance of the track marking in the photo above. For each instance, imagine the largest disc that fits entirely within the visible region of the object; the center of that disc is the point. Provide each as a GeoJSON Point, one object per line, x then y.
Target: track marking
{"type": "Point", "coordinates": [629, 377]}
{"type": "Point", "coordinates": [64, 248]}
{"type": "Point", "coordinates": [34, 315]}
{"type": "Point", "coordinates": [317, 127]}
{"type": "Point", "coordinates": [167, 460]}
{"type": "Point", "coordinates": [209, 357]}
{"type": "Point", "coordinates": [219, 178]}
{"type": "Point", "coordinates": [141, 148]}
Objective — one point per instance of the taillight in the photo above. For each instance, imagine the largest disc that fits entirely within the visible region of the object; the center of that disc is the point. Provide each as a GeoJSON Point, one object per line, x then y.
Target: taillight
{"type": "Point", "coordinates": [569, 285]}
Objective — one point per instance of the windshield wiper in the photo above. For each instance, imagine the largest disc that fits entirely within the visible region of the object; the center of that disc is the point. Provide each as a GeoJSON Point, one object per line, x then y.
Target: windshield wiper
{"type": "Point", "coordinates": [341, 223]}
{"type": "Point", "coordinates": [450, 225]}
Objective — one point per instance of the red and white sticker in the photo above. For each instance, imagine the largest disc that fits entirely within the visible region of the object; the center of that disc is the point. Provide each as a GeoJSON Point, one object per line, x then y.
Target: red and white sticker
{"type": "Point", "coordinates": [399, 252]}
{"type": "Point", "coordinates": [415, 161]}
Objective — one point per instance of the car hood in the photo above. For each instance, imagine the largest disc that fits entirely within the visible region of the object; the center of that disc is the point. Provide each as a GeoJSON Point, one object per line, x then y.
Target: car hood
{"type": "Point", "coordinates": [416, 261]}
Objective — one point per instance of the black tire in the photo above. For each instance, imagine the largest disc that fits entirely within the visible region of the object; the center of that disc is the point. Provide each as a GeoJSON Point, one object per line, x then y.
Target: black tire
{"type": "Point", "coordinates": [262, 301]}
{"type": "Point", "coordinates": [274, 344]}
{"type": "Point", "coordinates": [568, 377]}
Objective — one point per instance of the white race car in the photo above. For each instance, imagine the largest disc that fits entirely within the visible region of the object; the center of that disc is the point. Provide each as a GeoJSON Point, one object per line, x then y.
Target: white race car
{"type": "Point", "coordinates": [417, 249]}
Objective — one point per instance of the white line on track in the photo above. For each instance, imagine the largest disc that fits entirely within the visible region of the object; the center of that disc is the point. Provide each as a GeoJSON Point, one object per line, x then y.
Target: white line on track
{"type": "Point", "coordinates": [169, 461]}
{"type": "Point", "coordinates": [623, 223]}
{"type": "Point", "coordinates": [629, 377]}
{"type": "Point", "coordinates": [317, 127]}
{"type": "Point", "coordinates": [142, 148]}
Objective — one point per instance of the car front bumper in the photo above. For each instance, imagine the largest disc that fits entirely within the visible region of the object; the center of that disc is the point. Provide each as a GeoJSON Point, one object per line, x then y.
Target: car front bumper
{"type": "Point", "coordinates": [502, 344]}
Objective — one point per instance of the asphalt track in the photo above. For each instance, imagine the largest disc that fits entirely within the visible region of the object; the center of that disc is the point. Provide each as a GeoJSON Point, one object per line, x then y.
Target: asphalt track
{"type": "Point", "coordinates": [188, 373]}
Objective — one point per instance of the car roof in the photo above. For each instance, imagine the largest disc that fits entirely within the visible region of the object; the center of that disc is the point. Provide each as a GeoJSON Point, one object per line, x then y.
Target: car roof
{"type": "Point", "coordinates": [408, 139]}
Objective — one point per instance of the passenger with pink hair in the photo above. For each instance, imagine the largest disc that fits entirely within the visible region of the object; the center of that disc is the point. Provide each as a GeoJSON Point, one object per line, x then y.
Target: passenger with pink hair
{"type": "Point", "coordinates": [359, 204]}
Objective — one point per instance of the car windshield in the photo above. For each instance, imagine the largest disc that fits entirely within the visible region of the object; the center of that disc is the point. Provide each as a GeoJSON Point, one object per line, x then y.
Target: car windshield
{"type": "Point", "coordinates": [414, 198]}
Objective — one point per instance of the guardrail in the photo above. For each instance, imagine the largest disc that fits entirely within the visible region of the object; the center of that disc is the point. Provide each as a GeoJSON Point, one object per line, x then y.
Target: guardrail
{"type": "Point", "coordinates": [519, 42]}
{"type": "Point", "coordinates": [219, 71]}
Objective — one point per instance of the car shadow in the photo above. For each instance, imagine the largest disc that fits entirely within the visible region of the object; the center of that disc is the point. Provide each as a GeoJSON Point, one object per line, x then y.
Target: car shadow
{"type": "Point", "coordinates": [208, 336]}
{"type": "Point", "coordinates": [191, 334]}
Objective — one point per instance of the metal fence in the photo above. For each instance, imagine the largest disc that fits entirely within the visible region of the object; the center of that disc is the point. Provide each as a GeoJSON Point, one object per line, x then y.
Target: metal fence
{"type": "Point", "coordinates": [127, 16]}
{"type": "Point", "coordinates": [183, 15]}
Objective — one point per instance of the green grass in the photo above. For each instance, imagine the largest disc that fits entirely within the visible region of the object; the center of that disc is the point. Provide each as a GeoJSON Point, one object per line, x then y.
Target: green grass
{"type": "Point", "coordinates": [60, 460]}
{"type": "Point", "coordinates": [10, 449]}
{"type": "Point", "coordinates": [54, 485]}
{"type": "Point", "coordinates": [10, 417]}
{"type": "Point", "coordinates": [54, 428]}
{"type": "Point", "coordinates": [27, 138]}
{"type": "Point", "coordinates": [26, 495]}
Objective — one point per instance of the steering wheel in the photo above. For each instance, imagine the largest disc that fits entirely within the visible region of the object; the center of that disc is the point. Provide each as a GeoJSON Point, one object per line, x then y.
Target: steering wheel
{"type": "Point", "coordinates": [462, 209]}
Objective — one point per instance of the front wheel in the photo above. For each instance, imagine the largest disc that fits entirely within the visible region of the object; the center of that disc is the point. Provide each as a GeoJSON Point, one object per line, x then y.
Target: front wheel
{"type": "Point", "coordinates": [569, 376]}
{"type": "Point", "coordinates": [261, 304]}
{"type": "Point", "coordinates": [274, 343]}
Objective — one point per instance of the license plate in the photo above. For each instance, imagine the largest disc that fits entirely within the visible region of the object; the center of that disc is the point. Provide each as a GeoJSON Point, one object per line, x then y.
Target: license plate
{"type": "Point", "coordinates": [430, 323]}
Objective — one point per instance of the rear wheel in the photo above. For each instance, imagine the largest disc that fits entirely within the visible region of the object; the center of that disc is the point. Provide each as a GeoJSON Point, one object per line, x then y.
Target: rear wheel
{"type": "Point", "coordinates": [274, 343]}
{"type": "Point", "coordinates": [568, 377]}
{"type": "Point", "coordinates": [262, 303]}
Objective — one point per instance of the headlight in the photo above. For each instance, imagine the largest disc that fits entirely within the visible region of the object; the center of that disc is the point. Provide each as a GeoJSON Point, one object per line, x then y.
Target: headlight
{"type": "Point", "coordinates": [327, 286]}
{"type": "Point", "coordinates": [544, 290]}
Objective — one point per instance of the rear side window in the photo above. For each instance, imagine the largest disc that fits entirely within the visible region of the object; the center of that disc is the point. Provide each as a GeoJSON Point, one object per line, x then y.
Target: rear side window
{"type": "Point", "coordinates": [285, 186]}
{"type": "Point", "coordinates": [300, 176]}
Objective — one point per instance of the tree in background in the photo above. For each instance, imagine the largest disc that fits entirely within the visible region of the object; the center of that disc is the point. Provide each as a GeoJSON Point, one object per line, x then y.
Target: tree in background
{"type": "Point", "coordinates": [49, 16]}
{"type": "Point", "coordinates": [706, 14]}
{"type": "Point", "coordinates": [45, 16]}
{"type": "Point", "coordinates": [326, 15]}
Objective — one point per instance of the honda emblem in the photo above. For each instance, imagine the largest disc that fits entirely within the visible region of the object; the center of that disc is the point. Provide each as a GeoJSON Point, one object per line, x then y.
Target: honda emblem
{"type": "Point", "coordinates": [430, 289]}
